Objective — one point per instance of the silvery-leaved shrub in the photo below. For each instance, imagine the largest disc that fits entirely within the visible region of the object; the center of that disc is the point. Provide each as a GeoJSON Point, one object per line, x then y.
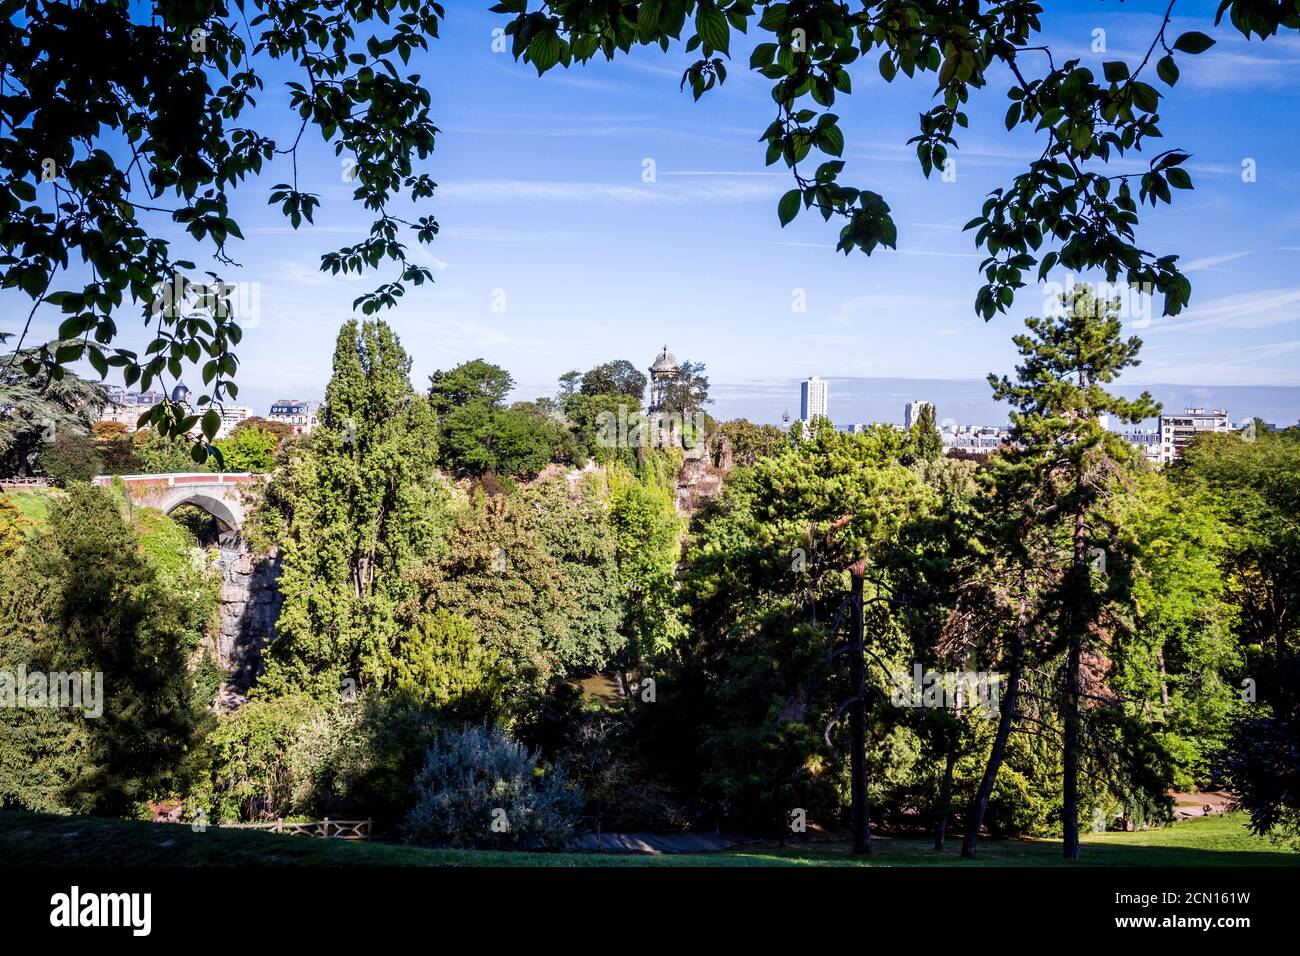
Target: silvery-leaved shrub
{"type": "Point", "coordinates": [480, 787]}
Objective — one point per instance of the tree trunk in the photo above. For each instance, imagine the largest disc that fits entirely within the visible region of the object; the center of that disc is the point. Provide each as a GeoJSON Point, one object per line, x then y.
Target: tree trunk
{"type": "Point", "coordinates": [945, 796]}
{"type": "Point", "coordinates": [857, 721]}
{"type": "Point", "coordinates": [1070, 797]}
{"type": "Point", "coordinates": [1164, 682]}
{"type": "Point", "coordinates": [980, 804]}
{"type": "Point", "coordinates": [1077, 619]}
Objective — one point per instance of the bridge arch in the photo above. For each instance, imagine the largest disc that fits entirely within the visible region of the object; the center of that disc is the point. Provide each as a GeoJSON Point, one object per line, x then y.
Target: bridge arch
{"type": "Point", "coordinates": [217, 494]}
{"type": "Point", "coordinates": [215, 507]}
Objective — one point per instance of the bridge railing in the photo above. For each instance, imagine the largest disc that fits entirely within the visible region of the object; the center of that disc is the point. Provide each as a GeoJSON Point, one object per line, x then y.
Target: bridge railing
{"type": "Point", "coordinates": [185, 478]}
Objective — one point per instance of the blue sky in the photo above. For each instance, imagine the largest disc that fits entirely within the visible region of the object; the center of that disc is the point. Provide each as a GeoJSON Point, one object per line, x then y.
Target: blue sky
{"type": "Point", "coordinates": [541, 199]}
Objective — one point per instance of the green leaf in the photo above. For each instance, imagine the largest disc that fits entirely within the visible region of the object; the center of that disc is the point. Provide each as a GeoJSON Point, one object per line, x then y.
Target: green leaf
{"type": "Point", "coordinates": [544, 51]}
{"type": "Point", "coordinates": [788, 207]}
{"type": "Point", "coordinates": [763, 55]}
{"type": "Point", "coordinates": [211, 422]}
{"type": "Point", "coordinates": [1146, 97]}
{"type": "Point", "coordinates": [70, 327]}
{"type": "Point", "coordinates": [1116, 71]}
{"type": "Point", "coordinates": [712, 27]}
{"type": "Point", "coordinates": [1193, 42]}
{"type": "Point", "coordinates": [831, 140]}
{"type": "Point", "coordinates": [1167, 70]}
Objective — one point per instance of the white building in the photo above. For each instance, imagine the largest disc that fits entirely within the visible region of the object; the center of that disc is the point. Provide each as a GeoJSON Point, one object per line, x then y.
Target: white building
{"type": "Point", "coordinates": [912, 413]}
{"type": "Point", "coordinates": [126, 406]}
{"type": "Point", "coordinates": [1177, 430]}
{"type": "Point", "coordinates": [231, 415]}
{"type": "Point", "coordinates": [299, 416]}
{"type": "Point", "coordinates": [974, 439]}
{"type": "Point", "coordinates": [812, 399]}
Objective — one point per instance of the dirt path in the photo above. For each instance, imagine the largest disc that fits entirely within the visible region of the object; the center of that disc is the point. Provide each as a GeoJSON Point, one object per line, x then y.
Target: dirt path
{"type": "Point", "coordinates": [1188, 806]}
{"type": "Point", "coordinates": [658, 842]}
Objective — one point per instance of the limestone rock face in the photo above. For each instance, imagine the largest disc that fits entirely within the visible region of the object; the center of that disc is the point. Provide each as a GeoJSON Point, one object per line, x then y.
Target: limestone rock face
{"type": "Point", "coordinates": [700, 478]}
{"type": "Point", "coordinates": [250, 605]}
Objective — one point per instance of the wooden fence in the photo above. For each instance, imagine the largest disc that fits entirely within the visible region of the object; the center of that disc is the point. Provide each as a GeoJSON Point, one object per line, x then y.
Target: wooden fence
{"type": "Point", "coordinates": [8, 483]}
{"type": "Point", "coordinates": [326, 829]}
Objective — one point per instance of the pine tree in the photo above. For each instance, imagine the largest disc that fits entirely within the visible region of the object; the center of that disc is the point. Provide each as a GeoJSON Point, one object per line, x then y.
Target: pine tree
{"type": "Point", "coordinates": [1064, 449]}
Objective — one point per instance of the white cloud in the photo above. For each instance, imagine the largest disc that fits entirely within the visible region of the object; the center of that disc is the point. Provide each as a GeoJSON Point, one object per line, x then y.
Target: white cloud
{"type": "Point", "coordinates": [1209, 262]}
{"type": "Point", "coordinates": [1241, 366]}
{"type": "Point", "coordinates": [544, 236]}
{"type": "Point", "coordinates": [1244, 310]}
{"type": "Point", "coordinates": [712, 190]}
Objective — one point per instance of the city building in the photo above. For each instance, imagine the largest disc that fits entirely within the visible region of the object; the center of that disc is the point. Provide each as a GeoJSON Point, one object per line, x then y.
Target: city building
{"type": "Point", "coordinates": [126, 406]}
{"type": "Point", "coordinates": [860, 428]}
{"type": "Point", "coordinates": [912, 413]}
{"type": "Point", "coordinates": [231, 415]}
{"type": "Point", "coordinates": [299, 416]}
{"type": "Point", "coordinates": [812, 399]}
{"type": "Point", "coordinates": [974, 439]}
{"type": "Point", "coordinates": [1147, 442]}
{"type": "Point", "coordinates": [1177, 430]}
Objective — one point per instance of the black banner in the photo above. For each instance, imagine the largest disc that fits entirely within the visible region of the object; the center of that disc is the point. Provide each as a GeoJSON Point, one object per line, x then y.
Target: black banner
{"type": "Point", "coordinates": [724, 904]}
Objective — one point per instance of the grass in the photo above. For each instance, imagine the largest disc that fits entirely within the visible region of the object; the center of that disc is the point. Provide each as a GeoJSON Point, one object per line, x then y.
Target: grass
{"type": "Point", "coordinates": [42, 839]}
{"type": "Point", "coordinates": [34, 504]}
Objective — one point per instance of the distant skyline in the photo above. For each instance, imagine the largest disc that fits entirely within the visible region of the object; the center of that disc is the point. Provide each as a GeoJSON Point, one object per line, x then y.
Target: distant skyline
{"type": "Point", "coordinates": [965, 401]}
{"type": "Point", "coordinates": [969, 401]}
{"type": "Point", "coordinates": [554, 254]}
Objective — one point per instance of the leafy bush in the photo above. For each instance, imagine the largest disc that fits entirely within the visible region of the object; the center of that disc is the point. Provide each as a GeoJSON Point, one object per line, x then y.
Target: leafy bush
{"type": "Point", "coordinates": [441, 663]}
{"type": "Point", "coordinates": [361, 759]}
{"type": "Point", "coordinates": [249, 448]}
{"type": "Point", "coordinates": [293, 756]}
{"type": "Point", "coordinates": [68, 457]}
{"type": "Point", "coordinates": [480, 787]}
{"type": "Point", "coordinates": [252, 773]}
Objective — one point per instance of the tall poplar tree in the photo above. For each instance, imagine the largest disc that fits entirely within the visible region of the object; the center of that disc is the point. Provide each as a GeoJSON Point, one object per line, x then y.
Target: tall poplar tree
{"type": "Point", "coordinates": [356, 511]}
{"type": "Point", "coordinates": [925, 442]}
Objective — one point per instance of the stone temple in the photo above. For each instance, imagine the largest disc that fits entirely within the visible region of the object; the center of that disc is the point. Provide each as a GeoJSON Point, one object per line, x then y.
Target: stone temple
{"type": "Point", "coordinates": [664, 369]}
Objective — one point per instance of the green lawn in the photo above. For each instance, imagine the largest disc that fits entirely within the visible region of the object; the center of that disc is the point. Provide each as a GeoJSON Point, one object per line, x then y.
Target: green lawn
{"type": "Point", "coordinates": [34, 504]}
{"type": "Point", "coordinates": [41, 839]}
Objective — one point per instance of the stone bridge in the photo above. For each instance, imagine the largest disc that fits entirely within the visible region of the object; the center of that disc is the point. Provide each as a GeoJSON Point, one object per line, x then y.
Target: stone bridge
{"type": "Point", "coordinates": [250, 598]}
{"type": "Point", "coordinates": [219, 494]}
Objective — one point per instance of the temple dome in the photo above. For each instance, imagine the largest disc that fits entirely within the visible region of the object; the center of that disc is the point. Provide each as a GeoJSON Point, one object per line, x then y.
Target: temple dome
{"type": "Point", "coordinates": [666, 362]}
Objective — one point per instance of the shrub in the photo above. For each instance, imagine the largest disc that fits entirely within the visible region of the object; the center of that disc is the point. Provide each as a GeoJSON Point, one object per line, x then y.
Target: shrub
{"type": "Point", "coordinates": [441, 663]}
{"type": "Point", "coordinates": [295, 756]}
{"type": "Point", "coordinates": [253, 777]}
{"type": "Point", "coordinates": [68, 457]}
{"type": "Point", "coordinates": [480, 787]}
{"type": "Point", "coordinates": [361, 759]}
